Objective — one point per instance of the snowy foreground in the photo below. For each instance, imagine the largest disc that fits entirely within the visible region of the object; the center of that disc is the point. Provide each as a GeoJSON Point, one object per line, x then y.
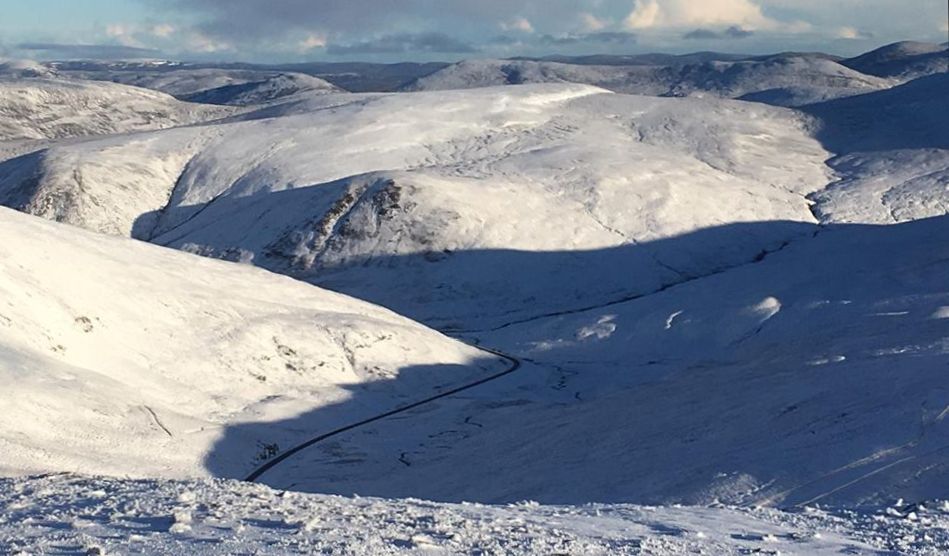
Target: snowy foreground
{"type": "Point", "coordinates": [64, 514]}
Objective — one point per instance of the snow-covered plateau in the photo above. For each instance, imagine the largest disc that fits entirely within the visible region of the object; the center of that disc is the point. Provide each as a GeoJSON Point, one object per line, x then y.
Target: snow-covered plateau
{"type": "Point", "coordinates": [609, 305]}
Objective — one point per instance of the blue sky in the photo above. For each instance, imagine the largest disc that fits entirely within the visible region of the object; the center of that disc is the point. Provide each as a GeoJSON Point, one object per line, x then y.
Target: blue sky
{"type": "Point", "coordinates": [387, 30]}
{"type": "Point", "coordinates": [38, 19]}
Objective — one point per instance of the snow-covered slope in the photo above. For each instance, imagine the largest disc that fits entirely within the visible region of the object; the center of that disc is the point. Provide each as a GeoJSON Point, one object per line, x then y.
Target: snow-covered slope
{"type": "Point", "coordinates": [124, 358]}
{"type": "Point", "coordinates": [472, 74]}
{"type": "Point", "coordinates": [19, 69]}
{"type": "Point", "coordinates": [109, 516]}
{"type": "Point", "coordinates": [44, 108]}
{"type": "Point", "coordinates": [440, 193]}
{"type": "Point", "coordinates": [177, 82]}
{"type": "Point", "coordinates": [786, 80]}
{"type": "Point", "coordinates": [237, 87]}
{"type": "Point", "coordinates": [104, 184]}
{"type": "Point", "coordinates": [816, 375]}
{"type": "Point", "coordinates": [902, 60]}
{"type": "Point", "coordinates": [277, 88]}
{"type": "Point", "coordinates": [893, 149]}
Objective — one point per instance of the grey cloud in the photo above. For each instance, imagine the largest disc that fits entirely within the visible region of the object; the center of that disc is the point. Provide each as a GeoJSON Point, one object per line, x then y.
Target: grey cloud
{"type": "Point", "coordinates": [701, 34]}
{"type": "Point", "coordinates": [404, 43]}
{"type": "Point", "coordinates": [588, 38]}
{"type": "Point", "coordinates": [505, 40]}
{"type": "Point", "coordinates": [87, 51]}
{"type": "Point", "coordinates": [733, 32]}
{"type": "Point", "coordinates": [558, 41]}
{"type": "Point", "coordinates": [611, 37]}
{"type": "Point", "coordinates": [737, 32]}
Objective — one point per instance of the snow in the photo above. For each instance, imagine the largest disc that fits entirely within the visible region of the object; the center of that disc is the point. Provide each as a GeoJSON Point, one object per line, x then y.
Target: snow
{"type": "Point", "coordinates": [812, 376]}
{"type": "Point", "coordinates": [374, 180]}
{"type": "Point", "coordinates": [279, 88]}
{"type": "Point", "coordinates": [74, 514]}
{"type": "Point", "coordinates": [185, 83]}
{"type": "Point", "coordinates": [698, 300]}
{"type": "Point", "coordinates": [893, 154]}
{"type": "Point", "coordinates": [19, 68]}
{"type": "Point", "coordinates": [49, 108]}
{"type": "Point", "coordinates": [903, 60]}
{"type": "Point", "coordinates": [124, 358]}
{"type": "Point", "coordinates": [785, 80]}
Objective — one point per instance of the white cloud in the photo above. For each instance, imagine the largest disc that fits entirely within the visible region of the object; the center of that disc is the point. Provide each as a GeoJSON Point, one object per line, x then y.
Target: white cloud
{"type": "Point", "coordinates": [199, 42]}
{"type": "Point", "coordinates": [518, 24]}
{"type": "Point", "coordinates": [648, 14]}
{"type": "Point", "coordinates": [162, 30]}
{"type": "Point", "coordinates": [848, 33]}
{"type": "Point", "coordinates": [645, 14]}
{"type": "Point", "coordinates": [592, 23]}
{"type": "Point", "coordinates": [317, 40]}
{"type": "Point", "coordinates": [117, 30]}
{"type": "Point", "coordinates": [123, 34]}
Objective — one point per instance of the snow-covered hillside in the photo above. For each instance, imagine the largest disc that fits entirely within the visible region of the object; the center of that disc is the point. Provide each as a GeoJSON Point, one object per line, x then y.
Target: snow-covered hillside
{"type": "Point", "coordinates": [785, 80]}
{"type": "Point", "coordinates": [178, 82]}
{"type": "Point", "coordinates": [181, 78]}
{"type": "Point", "coordinates": [43, 108]}
{"type": "Point", "coordinates": [19, 69]}
{"type": "Point", "coordinates": [816, 375]}
{"type": "Point", "coordinates": [903, 60]}
{"type": "Point", "coordinates": [439, 193]}
{"type": "Point", "coordinates": [238, 87]}
{"type": "Point", "coordinates": [893, 148]}
{"type": "Point", "coordinates": [277, 88]}
{"type": "Point", "coordinates": [124, 358]}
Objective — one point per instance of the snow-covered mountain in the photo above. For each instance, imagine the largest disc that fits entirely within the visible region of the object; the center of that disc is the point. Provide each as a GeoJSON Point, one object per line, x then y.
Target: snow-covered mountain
{"type": "Point", "coordinates": [183, 78]}
{"type": "Point", "coordinates": [120, 357]}
{"type": "Point", "coordinates": [893, 148]}
{"type": "Point", "coordinates": [238, 87]}
{"type": "Point", "coordinates": [51, 108]}
{"type": "Point", "coordinates": [903, 60]}
{"type": "Point", "coordinates": [696, 299]}
{"type": "Point", "coordinates": [279, 87]}
{"type": "Point", "coordinates": [16, 68]}
{"type": "Point", "coordinates": [450, 200]}
{"type": "Point", "coordinates": [785, 80]}
{"type": "Point", "coordinates": [329, 187]}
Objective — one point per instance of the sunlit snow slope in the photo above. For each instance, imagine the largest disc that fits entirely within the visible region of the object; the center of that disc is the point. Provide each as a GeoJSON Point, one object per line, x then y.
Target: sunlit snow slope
{"type": "Point", "coordinates": [124, 358]}
{"type": "Point", "coordinates": [49, 108]}
{"type": "Point", "coordinates": [437, 193]}
{"type": "Point", "coordinates": [783, 80]}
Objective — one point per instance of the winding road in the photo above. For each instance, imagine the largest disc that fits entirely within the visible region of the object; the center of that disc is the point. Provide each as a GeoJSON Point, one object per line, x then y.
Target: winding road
{"type": "Point", "coordinates": [515, 364]}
